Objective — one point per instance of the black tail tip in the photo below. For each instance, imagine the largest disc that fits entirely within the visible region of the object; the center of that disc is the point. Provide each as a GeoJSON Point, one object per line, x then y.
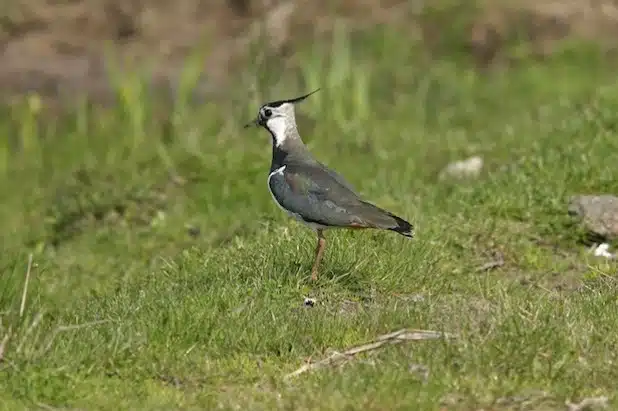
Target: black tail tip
{"type": "Point", "coordinates": [403, 227]}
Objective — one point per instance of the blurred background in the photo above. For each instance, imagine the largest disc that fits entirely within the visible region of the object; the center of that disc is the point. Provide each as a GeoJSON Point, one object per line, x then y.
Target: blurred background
{"type": "Point", "coordinates": [58, 49]}
{"type": "Point", "coordinates": [127, 115]}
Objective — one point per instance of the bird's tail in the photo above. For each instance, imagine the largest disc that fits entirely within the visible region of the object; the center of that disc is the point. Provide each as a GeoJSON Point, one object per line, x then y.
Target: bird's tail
{"type": "Point", "coordinates": [379, 218]}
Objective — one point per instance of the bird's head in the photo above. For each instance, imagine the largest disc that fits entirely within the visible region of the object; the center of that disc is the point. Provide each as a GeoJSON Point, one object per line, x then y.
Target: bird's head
{"type": "Point", "coordinates": [278, 117]}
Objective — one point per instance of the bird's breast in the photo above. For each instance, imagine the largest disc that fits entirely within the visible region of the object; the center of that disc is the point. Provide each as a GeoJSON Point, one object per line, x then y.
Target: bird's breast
{"type": "Point", "coordinates": [276, 181]}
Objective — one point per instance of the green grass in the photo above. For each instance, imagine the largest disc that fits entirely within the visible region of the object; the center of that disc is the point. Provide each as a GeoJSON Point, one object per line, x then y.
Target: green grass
{"type": "Point", "coordinates": [127, 309]}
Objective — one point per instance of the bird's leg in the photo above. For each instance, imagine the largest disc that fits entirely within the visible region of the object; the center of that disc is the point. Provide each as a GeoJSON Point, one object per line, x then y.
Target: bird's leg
{"type": "Point", "coordinates": [319, 250]}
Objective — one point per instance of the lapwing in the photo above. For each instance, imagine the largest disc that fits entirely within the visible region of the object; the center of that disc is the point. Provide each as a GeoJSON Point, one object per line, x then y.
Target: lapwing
{"type": "Point", "coordinates": [308, 190]}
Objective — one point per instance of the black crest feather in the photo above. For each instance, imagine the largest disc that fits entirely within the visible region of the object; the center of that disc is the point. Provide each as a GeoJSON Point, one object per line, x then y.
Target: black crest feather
{"type": "Point", "coordinates": [293, 100]}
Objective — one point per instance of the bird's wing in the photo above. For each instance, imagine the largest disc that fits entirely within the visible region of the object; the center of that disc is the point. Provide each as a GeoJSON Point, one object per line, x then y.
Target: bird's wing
{"type": "Point", "coordinates": [315, 195]}
{"type": "Point", "coordinates": [338, 177]}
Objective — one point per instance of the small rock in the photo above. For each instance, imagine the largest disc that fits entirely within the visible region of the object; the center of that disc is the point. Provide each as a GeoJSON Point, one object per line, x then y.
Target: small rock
{"type": "Point", "coordinates": [193, 231]}
{"type": "Point", "coordinates": [599, 213]}
{"type": "Point", "coordinates": [467, 168]}
{"type": "Point", "coordinates": [602, 250]}
{"type": "Point", "coordinates": [309, 302]}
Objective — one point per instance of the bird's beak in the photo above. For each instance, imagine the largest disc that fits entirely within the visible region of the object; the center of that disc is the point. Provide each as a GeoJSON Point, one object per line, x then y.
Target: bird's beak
{"type": "Point", "coordinates": [253, 123]}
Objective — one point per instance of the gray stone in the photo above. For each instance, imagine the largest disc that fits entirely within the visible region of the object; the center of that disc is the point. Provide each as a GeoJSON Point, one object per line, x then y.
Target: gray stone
{"type": "Point", "coordinates": [468, 168]}
{"type": "Point", "coordinates": [599, 213]}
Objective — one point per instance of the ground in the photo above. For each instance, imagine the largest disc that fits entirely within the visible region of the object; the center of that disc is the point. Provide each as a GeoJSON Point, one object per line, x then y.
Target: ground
{"type": "Point", "coordinates": [145, 266]}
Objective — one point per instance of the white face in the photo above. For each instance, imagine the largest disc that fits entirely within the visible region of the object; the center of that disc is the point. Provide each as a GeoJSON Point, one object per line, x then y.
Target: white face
{"type": "Point", "coordinates": [277, 120]}
{"type": "Point", "coordinates": [277, 126]}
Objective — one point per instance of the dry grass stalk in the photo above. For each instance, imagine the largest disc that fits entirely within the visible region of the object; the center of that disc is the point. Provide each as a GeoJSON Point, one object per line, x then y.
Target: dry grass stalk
{"type": "Point", "coordinates": [5, 340]}
{"type": "Point", "coordinates": [490, 265]}
{"type": "Point", "coordinates": [396, 337]}
{"type": "Point", "coordinates": [592, 403]}
{"type": "Point", "coordinates": [22, 307]}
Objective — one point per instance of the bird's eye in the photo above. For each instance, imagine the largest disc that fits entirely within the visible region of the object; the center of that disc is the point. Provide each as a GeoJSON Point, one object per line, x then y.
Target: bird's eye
{"type": "Point", "coordinates": [268, 112]}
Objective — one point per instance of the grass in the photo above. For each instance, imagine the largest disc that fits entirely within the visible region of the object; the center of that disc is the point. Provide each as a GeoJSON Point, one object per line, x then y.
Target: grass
{"type": "Point", "coordinates": [164, 277]}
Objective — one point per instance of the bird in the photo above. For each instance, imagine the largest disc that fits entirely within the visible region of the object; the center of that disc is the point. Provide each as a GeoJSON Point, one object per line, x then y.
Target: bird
{"type": "Point", "coordinates": [308, 190]}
